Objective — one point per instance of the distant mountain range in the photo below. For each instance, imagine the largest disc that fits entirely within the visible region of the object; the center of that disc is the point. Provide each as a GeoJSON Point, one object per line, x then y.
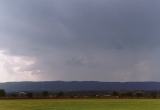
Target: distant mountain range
{"type": "Point", "coordinates": [78, 86]}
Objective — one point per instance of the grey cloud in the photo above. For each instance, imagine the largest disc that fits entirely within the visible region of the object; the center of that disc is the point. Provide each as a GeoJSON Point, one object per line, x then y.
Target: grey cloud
{"type": "Point", "coordinates": [88, 24]}
{"type": "Point", "coordinates": [84, 40]}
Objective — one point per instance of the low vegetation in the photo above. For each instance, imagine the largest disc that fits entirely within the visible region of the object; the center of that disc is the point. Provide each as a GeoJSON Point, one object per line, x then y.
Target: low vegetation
{"type": "Point", "coordinates": [81, 104]}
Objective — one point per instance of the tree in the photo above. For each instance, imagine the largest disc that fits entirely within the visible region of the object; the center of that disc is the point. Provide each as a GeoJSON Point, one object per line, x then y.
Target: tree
{"type": "Point", "coordinates": [30, 95]}
{"type": "Point", "coordinates": [45, 93]}
{"type": "Point", "coordinates": [2, 93]}
{"type": "Point", "coordinates": [154, 94]}
{"type": "Point", "coordinates": [129, 94]}
{"type": "Point", "coordinates": [115, 93]}
{"type": "Point", "coordinates": [60, 94]}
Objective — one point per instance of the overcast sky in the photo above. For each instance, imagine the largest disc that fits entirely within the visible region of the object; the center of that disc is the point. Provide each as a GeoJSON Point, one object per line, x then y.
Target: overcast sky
{"type": "Point", "coordinates": [102, 40]}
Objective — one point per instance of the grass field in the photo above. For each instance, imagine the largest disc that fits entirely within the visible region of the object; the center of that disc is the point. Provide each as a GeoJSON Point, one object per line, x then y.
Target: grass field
{"type": "Point", "coordinates": [90, 104]}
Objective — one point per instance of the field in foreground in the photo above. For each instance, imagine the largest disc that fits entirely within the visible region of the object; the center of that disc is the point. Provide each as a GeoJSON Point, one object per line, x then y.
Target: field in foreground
{"type": "Point", "coordinates": [84, 104]}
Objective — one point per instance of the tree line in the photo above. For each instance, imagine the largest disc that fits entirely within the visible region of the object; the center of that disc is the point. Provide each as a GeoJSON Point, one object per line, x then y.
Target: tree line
{"type": "Point", "coordinates": [80, 94]}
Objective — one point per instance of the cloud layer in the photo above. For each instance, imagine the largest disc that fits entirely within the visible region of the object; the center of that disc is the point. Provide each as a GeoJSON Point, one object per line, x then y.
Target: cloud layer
{"type": "Point", "coordinates": [105, 40]}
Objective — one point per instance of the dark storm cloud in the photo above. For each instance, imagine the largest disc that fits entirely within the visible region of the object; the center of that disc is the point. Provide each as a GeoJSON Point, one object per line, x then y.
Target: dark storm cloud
{"type": "Point", "coordinates": [84, 39]}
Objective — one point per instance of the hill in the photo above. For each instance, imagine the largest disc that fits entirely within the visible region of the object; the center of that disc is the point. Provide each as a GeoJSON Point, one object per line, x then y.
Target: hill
{"type": "Point", "coordinates": [78, 86]}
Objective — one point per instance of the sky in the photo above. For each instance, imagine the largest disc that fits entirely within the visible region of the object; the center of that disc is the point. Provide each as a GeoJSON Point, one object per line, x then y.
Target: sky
{"type": "Point", "coordinates": [79, 40]}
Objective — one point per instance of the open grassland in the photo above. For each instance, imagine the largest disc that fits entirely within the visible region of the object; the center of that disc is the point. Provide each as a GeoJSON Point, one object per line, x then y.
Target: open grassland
{"type": "Point", "coordinates": [84, 104]}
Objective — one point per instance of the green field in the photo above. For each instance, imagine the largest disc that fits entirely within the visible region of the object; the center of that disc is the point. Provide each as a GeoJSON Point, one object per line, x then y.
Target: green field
{"type": "Point", "coordinates": [84, 104]}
